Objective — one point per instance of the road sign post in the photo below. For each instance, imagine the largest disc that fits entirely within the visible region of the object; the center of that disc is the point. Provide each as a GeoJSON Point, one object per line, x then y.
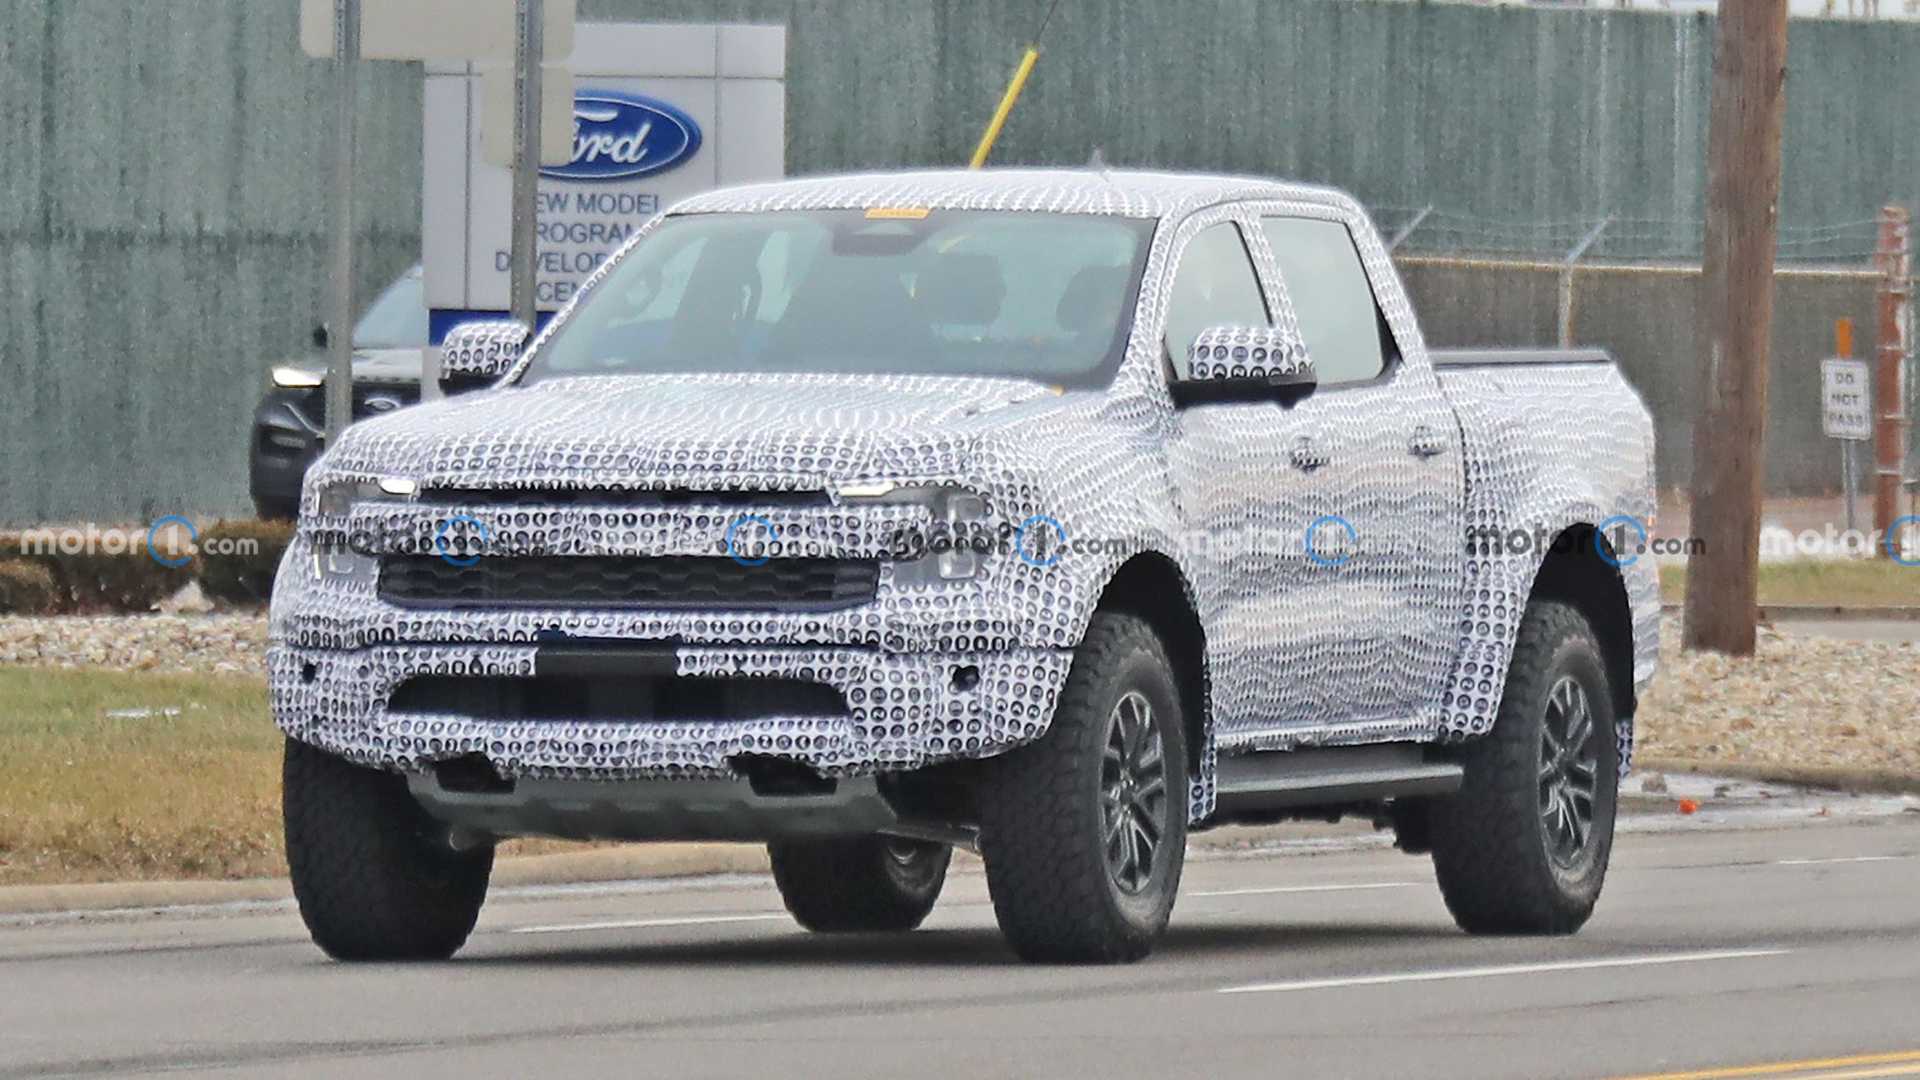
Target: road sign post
{"type": "Point", "coordinates": [528, 55]}
{"type": "Point", "coordinates": [346, 53]}
{"type": "Point", "coordinates": [1846, 410]}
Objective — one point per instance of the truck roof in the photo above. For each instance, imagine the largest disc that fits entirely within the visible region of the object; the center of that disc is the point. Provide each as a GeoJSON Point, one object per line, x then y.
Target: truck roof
{"type": "Point", "coordinates": [1127, 193]}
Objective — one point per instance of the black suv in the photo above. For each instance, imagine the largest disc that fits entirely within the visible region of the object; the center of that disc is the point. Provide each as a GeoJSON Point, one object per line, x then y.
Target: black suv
{"type": "Point", "coordinates": [289, 427]}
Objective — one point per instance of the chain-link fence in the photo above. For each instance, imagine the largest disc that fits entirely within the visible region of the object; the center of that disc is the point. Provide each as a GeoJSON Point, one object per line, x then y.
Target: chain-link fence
{"type": "Point", "coordinates": [1629, 284]}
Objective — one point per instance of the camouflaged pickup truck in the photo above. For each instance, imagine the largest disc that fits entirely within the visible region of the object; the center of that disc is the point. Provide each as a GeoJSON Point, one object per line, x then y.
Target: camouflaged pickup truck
{"type": "Point", "coordinates": [1053, 514]}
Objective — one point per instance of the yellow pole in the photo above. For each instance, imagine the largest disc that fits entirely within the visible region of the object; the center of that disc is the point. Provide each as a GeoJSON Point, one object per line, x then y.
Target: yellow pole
{"type": "Point", "coordinates": [999, 121]}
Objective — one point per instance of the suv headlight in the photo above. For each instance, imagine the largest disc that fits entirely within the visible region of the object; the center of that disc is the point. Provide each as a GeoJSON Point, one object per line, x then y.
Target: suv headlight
{"type": "Point", "coordinates": [952, 549]}
{"type": "Point", "coordinates": [297, 378]}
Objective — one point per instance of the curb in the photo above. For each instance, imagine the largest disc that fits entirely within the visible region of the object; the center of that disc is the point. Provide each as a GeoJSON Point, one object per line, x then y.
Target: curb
{"type": "Point", "coordinates": [1853, 781]}
{"type": "Point", "coordinates": [1823, 612]}
{"type": "Point", "coordinates": [572, 868]}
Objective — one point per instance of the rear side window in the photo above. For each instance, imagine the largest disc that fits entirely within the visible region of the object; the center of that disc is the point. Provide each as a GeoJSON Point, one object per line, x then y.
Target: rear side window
{"type": "Point", "coordinates": [1331, 297]}
{"type": "Point", "coordinates": [1214, 286]}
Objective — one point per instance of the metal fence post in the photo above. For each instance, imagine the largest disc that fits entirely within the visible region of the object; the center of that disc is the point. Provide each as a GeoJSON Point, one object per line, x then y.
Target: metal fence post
{"type": "Point", "coordinates": [1566, 278]}
{"type": "Point", "coordinates": [346, 54]}
{"type": "Point", "coordinates": [1407, 229]}
{"type": "Point", "coordinates": [1889, 395]}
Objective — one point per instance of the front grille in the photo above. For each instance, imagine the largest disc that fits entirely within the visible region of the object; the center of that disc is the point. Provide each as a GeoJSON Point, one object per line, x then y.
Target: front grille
{"type": "Point", "coordinates": [617, 698]}
{"type": "Point", "coordinates": [694, 581]}
{"type": "Point", "coordinates": [311, 402]}
{"type": "Point", "coordinates": [623, 498]}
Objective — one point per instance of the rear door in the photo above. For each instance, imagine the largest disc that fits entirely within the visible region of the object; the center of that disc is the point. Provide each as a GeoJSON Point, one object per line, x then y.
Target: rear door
{"type": "Point", "coordinates": [1385, 558]}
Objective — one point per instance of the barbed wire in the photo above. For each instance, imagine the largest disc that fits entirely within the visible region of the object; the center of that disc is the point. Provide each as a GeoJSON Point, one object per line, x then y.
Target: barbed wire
{"type": "Point", "coordinates": [1434, 231]}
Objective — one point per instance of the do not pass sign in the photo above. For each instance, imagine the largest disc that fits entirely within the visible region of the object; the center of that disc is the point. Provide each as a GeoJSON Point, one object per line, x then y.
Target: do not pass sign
{"type": "Point", "coordinates": [1845, 400]}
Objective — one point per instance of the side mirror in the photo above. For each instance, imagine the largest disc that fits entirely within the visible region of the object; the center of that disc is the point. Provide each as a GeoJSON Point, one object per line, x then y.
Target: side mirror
{"type": "Point", "coordinates": [320, 336]}
{"type": "Point", "coordinates": [475, 355]}
{"type": "Point", "coordinates": [1240, 363]}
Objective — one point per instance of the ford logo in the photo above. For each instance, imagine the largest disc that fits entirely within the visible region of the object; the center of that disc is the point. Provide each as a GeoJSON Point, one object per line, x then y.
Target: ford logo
{"type": "Point", "coordinates": [622, 136]}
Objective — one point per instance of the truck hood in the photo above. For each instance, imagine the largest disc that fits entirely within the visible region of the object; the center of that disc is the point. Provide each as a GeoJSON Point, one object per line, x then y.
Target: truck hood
{"type": "Point", "coordinates": [709, 432]}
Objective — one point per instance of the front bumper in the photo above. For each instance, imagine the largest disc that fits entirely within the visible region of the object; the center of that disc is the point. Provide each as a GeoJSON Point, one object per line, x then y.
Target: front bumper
{"type": "Point", "coordinates": [904, 711]}
{"type": "Point", "coordinates": [284, 443]}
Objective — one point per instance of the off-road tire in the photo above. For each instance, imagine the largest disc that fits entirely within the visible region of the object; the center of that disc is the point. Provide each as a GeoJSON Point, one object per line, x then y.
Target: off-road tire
{"type": "Point", "coordinates": [1043, 821]}
{"type": "Point", "coordinates": [1492, 846]}
{"type": "Point", "coordinates": [372, 873]}
{"type": "Point", "coordinates": [845, 885]}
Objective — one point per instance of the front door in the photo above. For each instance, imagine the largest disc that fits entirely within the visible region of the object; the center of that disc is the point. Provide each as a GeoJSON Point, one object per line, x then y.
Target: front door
{"type": "Point", "coordinates": [1381, 624]}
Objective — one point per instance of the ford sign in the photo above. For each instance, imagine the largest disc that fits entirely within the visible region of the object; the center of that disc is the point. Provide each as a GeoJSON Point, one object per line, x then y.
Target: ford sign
{"type": "Point", "coordinates": [621, 136]}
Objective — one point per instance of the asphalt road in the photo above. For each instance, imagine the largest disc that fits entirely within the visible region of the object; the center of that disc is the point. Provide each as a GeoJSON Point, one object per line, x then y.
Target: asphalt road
{"type": "Point", "coordinates": [1712, 949]}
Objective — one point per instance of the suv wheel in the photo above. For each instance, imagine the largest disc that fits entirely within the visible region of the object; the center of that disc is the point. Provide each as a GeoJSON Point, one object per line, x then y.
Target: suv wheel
{"type": "Point", "coordinates": [372, 872]}
{"type": "Point", "coordinates": [1084, 832]}
{"type": "Point", "coordinates": [862, 883]}
{"type": "Point", "coordinates": [1523, 847]}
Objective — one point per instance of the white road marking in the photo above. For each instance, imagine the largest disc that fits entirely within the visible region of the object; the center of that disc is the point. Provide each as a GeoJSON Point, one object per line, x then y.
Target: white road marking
{"type": "Point", "coordinates": [1305, 889]}
{"type": "Point", "coordinates": [644, 924]}
{"type": "Point", "coordinates": [1848, 859]}
{"type": "Point", "coordinates": [1496, 972]}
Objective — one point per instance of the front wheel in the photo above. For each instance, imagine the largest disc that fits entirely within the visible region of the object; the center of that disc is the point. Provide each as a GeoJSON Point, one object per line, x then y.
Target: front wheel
{"type": "Point", "coordinates": [372, 873]}
{"type": "Point", "coordinates": [1523, 847]}
{"type": "Point", "coordinates": [1084, 832]}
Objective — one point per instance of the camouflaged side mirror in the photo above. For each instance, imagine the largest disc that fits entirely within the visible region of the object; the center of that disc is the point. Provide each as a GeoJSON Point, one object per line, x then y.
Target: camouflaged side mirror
{"type": "Point", "coordinates": [1242, 363]}
{"type": "Point", "coordinates": [475, 355]}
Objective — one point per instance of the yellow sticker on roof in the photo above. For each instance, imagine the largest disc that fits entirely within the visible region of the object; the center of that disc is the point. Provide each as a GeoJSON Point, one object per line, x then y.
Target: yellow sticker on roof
{"type": "Point", "coordinates": [898, 213]}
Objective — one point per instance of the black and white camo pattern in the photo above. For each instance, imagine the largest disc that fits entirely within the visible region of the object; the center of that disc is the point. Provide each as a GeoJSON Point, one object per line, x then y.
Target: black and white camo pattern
{"type": "Point", "coordinates": [482, 349]}
{"type": "Point", "coordinates": [1246, 352]}
{"type": "Point", "coordinates": [1393, 633]}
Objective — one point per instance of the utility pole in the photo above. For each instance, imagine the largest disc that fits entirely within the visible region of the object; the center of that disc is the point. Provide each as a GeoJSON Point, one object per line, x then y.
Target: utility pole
{"type": "Point", "coordinates": [1736, 322]}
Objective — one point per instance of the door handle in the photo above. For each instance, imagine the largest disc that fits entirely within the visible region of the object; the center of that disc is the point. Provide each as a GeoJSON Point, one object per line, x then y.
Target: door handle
{"type": "Point", "coordinates": [1425, 443]}
{"type": "Point", "coordinates": [1306, 455]}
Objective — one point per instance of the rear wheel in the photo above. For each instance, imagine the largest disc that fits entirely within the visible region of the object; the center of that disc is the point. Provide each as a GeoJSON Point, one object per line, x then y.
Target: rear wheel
{"type": "Point", "coordinates": [372, 872]}
{"type": "Point", "coordinates": [1085, 831]}
{"type": "Point", "coordinates": [862, 883]}
{"type": "Point", "coordinates": [1523, 847]}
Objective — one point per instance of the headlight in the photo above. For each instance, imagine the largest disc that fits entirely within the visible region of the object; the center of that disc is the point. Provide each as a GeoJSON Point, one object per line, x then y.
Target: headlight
{"type": "Point", "coordinates": [953, 547]}
{"type": "Point", "coordinates": [293, 378]}
{"type": "Point", "coordinates": [337, 500]}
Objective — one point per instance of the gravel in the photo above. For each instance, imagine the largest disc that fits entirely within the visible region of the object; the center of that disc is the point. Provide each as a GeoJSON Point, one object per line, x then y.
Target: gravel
{"type": "Point", "coordinates": [1799, 701]}
{"type": "Point", "coordinates": [234, 644]}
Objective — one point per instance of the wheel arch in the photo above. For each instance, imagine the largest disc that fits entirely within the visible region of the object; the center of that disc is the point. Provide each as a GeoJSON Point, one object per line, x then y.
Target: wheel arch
{"type": "Point", "coordinates": [1582, 571]}
{"type": "Point", "coordinates": [1151, 586]}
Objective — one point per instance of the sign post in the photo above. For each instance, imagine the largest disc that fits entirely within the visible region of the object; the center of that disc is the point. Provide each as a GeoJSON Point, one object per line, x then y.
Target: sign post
{"type": "Point", "coordinates": [528, 55]}
{"type": "Point", "coordinates": [346, 54]}
{"type": "Point", "coordinates": [1845, 408]}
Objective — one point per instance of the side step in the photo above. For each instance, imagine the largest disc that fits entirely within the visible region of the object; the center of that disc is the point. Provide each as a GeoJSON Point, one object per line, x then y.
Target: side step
{"type": "Point", "coordinates": [1335, 776]}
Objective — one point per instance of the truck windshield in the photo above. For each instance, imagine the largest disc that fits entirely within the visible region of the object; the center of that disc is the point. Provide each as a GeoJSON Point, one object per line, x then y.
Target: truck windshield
{"type": "Point", "coordinates": [1010, 294]}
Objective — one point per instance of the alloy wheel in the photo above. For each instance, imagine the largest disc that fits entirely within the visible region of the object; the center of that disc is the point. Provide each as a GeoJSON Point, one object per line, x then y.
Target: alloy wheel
{"type": "Point", "coordinates": [1133, 789]}
{"type": "Point", "coordinates": [1569, 771]}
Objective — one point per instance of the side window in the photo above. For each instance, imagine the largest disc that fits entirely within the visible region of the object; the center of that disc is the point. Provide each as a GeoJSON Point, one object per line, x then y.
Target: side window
{"type": "Point", "coordinates": [1338, 316]}
{"type": "Point", "coordinates": [1214, 286]}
